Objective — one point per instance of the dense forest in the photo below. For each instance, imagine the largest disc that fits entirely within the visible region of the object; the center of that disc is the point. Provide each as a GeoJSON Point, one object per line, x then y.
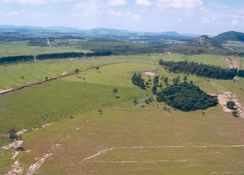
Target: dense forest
{"type": "Point", "coordinates": [199, 69]}
{"type": "Point", "coordinates": [186, 97]}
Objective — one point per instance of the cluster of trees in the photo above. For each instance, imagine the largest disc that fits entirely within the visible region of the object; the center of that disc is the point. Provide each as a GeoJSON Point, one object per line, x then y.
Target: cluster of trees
{"type": "Point", "coordinates": [186, 97]}
{"type": "Point", "coordinates": [22, 58]}
{"type": "Point", "coordinates": [138, 80]}
{"type": "Point", "coordinates": [12, 59]}
{"type": "Point", "coordinates": [199, 69]}
{"type": "Point", "coordinates": [60, 55]}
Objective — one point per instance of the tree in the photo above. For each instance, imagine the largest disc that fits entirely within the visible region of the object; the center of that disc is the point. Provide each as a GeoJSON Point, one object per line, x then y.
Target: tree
{"type": "Point", "coordinates": [135, 101]}
{"type": "Point", "coordinates": [138, 81]}
{"type": "Point", "coordinates": [176, 80]}
{"type": "Point", "coordinates": [156, 80]}
{"type": "Point", "coordinates": [154, 90]}
{"type": "Point", "coordinates": [115, 90]}
{"type": "Point", "coordinates": [166, 81]}
{"type": "Point", "coordinates": [231, 105]}
{"type": "Point", "coordinates": [77, 70]}
{"type": "Point", "coordinates": [185, 78]}
{"type": "Point", "coordinates": [13, 134]}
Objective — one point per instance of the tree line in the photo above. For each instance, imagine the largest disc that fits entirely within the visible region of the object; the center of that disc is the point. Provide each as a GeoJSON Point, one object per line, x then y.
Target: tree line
{"type": "Point", "coordinates": [65, 55]}
{"type": "Point", "coordinates": [200, 69]}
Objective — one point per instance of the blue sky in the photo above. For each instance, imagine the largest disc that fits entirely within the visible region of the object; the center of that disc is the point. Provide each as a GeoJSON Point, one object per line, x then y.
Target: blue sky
{"type": "Point", "coordinates": [185, 16]}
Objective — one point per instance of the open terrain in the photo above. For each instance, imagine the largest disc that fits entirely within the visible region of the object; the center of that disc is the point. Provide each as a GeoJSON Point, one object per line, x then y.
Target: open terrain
{"type": "Point", "coordinates": [77, 125]}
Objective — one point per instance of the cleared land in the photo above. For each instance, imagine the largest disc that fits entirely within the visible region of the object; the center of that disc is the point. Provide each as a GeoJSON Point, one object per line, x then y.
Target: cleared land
{"type": "Point", "coordinates": [93, 131]}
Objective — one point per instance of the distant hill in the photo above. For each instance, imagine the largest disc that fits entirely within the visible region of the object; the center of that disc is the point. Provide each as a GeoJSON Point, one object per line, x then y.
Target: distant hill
{"type": "Point", "coordinates": [204, 41]}
{"type": "Point", "coordinates": [228, 36]}
{"type": "Point", "coordinates": [22, 32]}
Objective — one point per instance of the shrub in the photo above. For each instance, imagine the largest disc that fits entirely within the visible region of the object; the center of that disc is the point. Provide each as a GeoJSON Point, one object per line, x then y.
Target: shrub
{"type": "Point", "coordinates": [235, 114]}
{"type": "Point", "coordinates": [115, 90]}
{"type": "Point", "coordinates": [231, 105]}
{"type": "Point", "coordinates": [13, 134]}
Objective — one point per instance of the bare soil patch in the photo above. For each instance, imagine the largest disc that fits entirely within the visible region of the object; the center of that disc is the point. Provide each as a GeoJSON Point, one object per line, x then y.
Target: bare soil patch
{"type": "Point", "coordinates": [229, 96]}
{"type": "Point", "coordinates": [150, 73]}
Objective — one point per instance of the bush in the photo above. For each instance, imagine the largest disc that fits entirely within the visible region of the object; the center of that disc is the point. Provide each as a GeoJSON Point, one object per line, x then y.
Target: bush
{"type": "Point", "coordinates": [235, 114]}
{"type": "Point", "coordinates": [231, 105]}
{"type": "Point", "coordinates": [13, 134]}
{"type": "Point", "coordinates": [115, 90]}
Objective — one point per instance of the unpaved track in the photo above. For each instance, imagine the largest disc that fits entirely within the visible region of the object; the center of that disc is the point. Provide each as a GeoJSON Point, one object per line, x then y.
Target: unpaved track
{"type": "Point", "coordinates": [104, 151]}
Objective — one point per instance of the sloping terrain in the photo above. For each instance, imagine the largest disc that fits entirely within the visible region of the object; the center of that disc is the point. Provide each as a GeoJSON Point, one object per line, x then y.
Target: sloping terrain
{"type": "Point", "coordinates": [78, 125]}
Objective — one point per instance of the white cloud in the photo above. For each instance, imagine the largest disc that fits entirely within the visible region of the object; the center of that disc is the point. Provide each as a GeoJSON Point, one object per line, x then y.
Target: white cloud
{"type": "Point", "coordinates": [143, 2]}
{"type": "Point", "coordinates": [234, 22]}
{"type": "Point", "coordinates": [89, 8]}
{"type": "Point", "coordinates": [178, 4]}
{"type": "Point", "coordinates": [33, 2]}
{"type": "Point", "coordinates": [115, 3]}
{"type": "Point", "coordinates": [37, 2]}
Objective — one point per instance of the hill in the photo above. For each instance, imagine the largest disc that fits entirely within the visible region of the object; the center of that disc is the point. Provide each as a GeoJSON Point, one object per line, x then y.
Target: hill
{"type": "Point", "coordinates": [228, 36]}
{"type": "Point", "coordinates": [204, 41]}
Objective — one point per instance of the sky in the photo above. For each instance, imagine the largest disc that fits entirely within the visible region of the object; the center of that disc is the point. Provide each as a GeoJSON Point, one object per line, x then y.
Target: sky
{"type": "Point", "coordinates": [184, 16]}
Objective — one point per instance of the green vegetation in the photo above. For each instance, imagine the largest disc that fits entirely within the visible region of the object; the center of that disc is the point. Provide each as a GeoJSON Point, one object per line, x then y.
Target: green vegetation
{"type": "Point", "coordinates": [5, 161]}
{"type": "Point", "coordinates": [86, 117]}
{"type": "Point", "coordinates": [186, 97]}
{"type": "Point", "coordinates": [47, 103]}
{"type": "Point", "coordinates": [138, 81]}
{"type": "Point", "coordinates": [199, 69]}
{"type": "Point", "coordinates": [13, 75]}
{"type": "Point", "coordinates": [231, 105]}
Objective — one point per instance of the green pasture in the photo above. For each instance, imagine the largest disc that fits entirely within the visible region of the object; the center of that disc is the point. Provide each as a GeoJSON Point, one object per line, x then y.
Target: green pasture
{"type": "Point", "coordinates": [130, 126]}
{"type": "Point", "coordinates": [87, 117]}
{"type": "Point", "coordinates": [22, 48]}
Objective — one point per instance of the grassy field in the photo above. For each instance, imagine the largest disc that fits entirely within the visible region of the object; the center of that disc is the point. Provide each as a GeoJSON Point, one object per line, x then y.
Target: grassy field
{"type": "Point", "coordinates": [21, 48]}
{"type": "Point", "coordinates": [13, 75]}
{"type": "Point", "coordinates": [88, 118]}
